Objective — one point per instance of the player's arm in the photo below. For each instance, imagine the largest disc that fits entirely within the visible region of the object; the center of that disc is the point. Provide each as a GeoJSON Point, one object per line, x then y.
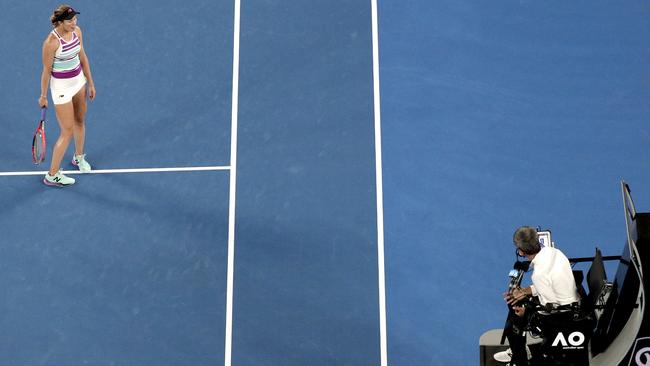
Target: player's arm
{"type": "Point", "coordinates": [49, 48]}
{"type": "Point", "coordinates": [85, 65]}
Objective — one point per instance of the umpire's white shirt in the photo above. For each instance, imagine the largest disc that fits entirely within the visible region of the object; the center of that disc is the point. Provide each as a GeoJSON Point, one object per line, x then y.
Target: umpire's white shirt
{"type": "Point", "coordinates": [553, 278]}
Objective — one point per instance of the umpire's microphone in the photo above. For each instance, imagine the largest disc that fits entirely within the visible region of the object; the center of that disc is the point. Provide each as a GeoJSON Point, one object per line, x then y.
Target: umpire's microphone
{"type": "Point", "coordinates": [516, 275]}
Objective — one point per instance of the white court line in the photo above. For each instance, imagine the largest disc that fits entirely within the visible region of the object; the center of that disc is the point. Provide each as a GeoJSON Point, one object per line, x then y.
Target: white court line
{"type": "Point", "coordinates": [233, 185]}
{"type": "Point", "coordinates": [380, 190]}
{"type": "Point", "coordinates": [118, 171]}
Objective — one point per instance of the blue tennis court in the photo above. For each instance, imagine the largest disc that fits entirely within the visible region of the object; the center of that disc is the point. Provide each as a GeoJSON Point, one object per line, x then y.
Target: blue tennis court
{"type": "Point", "coordinates": [238, 215]}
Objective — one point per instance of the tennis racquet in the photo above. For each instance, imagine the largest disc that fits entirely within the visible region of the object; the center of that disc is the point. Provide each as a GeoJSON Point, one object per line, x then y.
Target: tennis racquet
{"type": "Point", "coordinates": [38, 143]}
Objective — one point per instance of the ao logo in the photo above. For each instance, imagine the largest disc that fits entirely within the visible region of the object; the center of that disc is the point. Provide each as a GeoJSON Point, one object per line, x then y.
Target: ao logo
{"type": "Point", "coordinates": [643, 352]}
{"type": "Point", "coordinates": [575, 339]}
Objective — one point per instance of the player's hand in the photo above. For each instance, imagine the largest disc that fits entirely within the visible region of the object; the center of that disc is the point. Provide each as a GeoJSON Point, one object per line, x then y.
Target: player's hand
{"type": "Point", "coordinates": [42, 101]}
{"type": "Point", "coordinates": [91, 91]}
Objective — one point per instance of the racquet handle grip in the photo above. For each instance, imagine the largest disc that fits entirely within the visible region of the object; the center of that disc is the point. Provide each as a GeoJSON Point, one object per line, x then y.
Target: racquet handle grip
{"type": "Point", "coordinates": [43, 110]}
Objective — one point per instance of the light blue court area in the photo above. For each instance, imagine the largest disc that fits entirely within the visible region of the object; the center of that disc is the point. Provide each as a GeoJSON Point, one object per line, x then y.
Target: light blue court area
{"type": "Point", "coordinates": [117, 270]}
{"type": "Point", "coordinates": [496, 115]}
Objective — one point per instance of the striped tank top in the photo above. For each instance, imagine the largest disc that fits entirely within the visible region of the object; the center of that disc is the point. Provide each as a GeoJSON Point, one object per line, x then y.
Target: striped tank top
{"type": "Point", "coordinates": [66, 58]}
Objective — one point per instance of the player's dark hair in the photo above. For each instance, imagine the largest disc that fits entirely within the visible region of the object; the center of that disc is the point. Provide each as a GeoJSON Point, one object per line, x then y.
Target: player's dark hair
{"type": "Point", "coordinates": [526, 239]}
{"type": "Point", "coordinates": [58, 13]}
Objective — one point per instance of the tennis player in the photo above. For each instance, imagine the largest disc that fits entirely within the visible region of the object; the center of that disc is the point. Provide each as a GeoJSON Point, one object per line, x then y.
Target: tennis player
{"type": "Point", "coordinates": [67, 70]}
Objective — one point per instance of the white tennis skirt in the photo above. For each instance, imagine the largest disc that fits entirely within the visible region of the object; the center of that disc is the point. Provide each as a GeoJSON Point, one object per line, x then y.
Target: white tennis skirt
{"type": "Point", "coordinates": [64, 89]}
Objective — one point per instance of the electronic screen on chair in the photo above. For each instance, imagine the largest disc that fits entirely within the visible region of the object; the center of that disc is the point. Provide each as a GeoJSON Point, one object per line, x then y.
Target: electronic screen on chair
{"type": "Point", "coordinates": [545, 238]}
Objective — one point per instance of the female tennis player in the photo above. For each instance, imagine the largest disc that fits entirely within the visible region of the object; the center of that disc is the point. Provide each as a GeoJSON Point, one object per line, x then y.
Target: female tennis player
{"type": "Point", "coordinates": [67, 70]}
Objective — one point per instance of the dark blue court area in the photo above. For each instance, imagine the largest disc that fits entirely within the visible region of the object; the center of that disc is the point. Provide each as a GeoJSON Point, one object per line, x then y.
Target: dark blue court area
{"type": "Point", "coordinates": [493, 115]}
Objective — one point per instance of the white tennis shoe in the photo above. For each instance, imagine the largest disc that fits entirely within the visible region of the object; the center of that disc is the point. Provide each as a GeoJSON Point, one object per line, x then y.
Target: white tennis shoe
{"type": "Point", "coordinates": [506, 356]}
{"type": "Point", "coordinates": [80, 162]}
{"type": "Point", "coordinates": [57, 180]}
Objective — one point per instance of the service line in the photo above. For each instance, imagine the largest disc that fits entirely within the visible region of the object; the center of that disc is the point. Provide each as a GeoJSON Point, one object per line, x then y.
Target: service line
{"type": "Point", "coordinates": [123, 171]}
